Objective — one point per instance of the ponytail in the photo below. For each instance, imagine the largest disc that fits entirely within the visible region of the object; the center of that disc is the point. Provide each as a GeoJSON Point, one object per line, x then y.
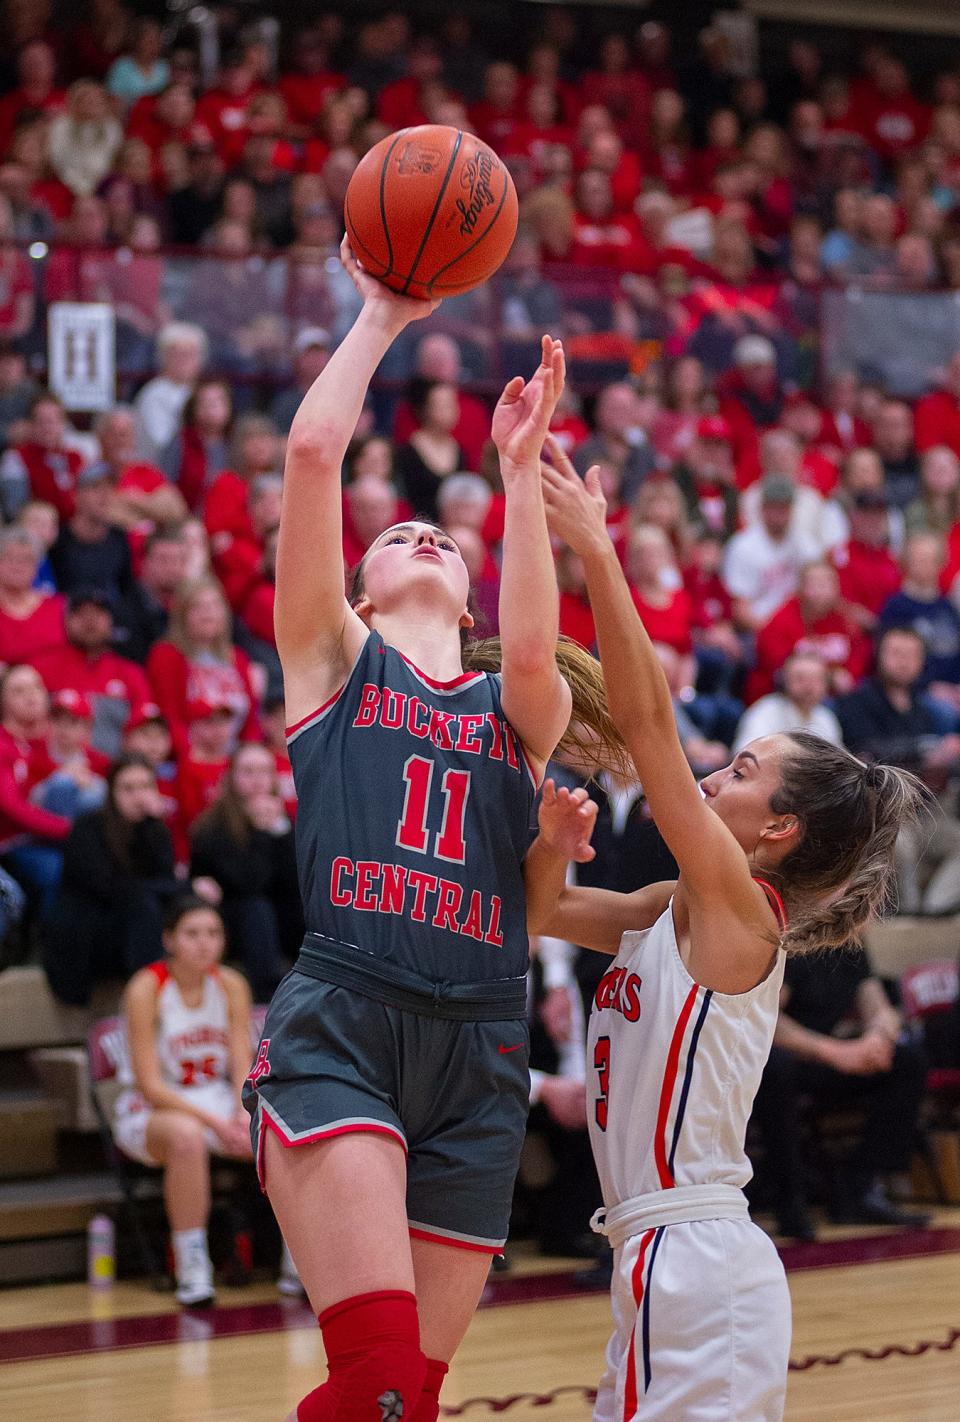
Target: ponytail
{"type": "Point", "coordinates": [841, 875]}
{"type": "Point", "coordinates": [591, 740]}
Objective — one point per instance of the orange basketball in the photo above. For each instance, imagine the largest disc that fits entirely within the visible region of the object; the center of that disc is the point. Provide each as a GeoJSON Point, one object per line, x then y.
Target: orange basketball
{"type": "Point", "coordinates": [431, 211]}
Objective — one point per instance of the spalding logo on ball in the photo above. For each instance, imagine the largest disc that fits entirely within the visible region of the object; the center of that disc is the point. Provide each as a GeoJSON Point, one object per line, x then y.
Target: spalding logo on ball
{"type": "Point", "coordinates": [431, 211]}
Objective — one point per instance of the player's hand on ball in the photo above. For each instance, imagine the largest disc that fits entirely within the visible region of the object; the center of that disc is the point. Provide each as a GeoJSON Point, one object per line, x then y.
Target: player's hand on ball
{"type": "Point", "coordinates": [525, 409]}
{"type": "Point", "coordinates": [576, 508]}
{"type": "Point", "coordinates": [567, 818]}
{"type": "Point", "coordinates": [398, 311]}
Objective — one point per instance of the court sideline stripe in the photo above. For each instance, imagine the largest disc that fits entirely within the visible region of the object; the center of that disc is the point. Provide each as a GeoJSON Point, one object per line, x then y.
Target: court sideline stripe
{"type": "Point", "coordinates": [61, 1340]}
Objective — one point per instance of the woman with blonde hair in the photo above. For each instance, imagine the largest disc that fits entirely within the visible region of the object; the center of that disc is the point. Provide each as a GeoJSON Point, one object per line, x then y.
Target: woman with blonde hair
{"type": "Point", "coordinates": [197, 661]}
{"type": "Point", "coordinates": [83, 142]}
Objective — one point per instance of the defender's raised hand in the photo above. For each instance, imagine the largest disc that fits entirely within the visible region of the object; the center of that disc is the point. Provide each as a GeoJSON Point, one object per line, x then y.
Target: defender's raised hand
{"type": "Point", "coordinates": [576, 508]}
{"type": "Point", "coordinates": [567, 818]}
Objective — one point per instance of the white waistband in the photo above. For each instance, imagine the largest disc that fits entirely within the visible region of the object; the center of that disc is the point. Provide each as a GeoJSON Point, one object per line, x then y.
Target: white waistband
{"type": "Point", "coordinates": [680, 1205]}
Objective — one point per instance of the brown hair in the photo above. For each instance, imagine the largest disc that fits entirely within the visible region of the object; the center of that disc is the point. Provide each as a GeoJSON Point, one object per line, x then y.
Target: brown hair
{"type": "Point", "coordinates": [591, 738]}
{"type": "Point", "coordinates": [228, 814]}
{"type": "Point", "coordinates": [841, 874]}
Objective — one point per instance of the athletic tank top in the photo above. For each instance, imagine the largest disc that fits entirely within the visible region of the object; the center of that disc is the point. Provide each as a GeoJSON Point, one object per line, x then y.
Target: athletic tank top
{"type": "Point", "coordinates": [193, 1043]}
{"type": "Point", "coordinates": [414, 805]}
{"type": "Point", "coordinates": [672, 1069]}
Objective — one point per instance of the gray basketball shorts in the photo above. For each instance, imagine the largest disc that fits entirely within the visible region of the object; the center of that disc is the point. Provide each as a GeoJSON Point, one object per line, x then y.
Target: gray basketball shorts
{"type": "Point", "coordinates": [454, 1093]}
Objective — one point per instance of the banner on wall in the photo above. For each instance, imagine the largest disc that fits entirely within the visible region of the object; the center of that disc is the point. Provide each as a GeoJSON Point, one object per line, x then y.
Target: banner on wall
{"type": "Point", "coordinates": [81, 357]}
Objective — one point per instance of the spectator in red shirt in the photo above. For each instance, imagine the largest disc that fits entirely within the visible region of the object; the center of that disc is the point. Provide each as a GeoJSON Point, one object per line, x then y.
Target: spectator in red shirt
{"type": "Point", "coordinates": [658, 595]}
{"type": "Point", "coordinates": [937, 416]}
{"type": "Point", "coordinates": [223, 109]}
{"type": "Point", "coordinates": [404, 103]}
{"type": "Point", "coordinates": [170, 117]}
{"type": "Point", "coordinates": [86, 664]}
{"type": "Point", "coordinates": [28, 834]}
{"type": "Point", "coordinates": [751, 401]}
{"type": "Point", "coordinates": [815, 622]}
{"type": "Point", "coordinates": [622, 166]}
{"type": "Point", "coordinates": [668, 155]}
{"type": "Point", "coordinates": [438, 359]}
{"type": "Point", "coordinates": [309, 85]}
{"type": "Point", "coordinates": [144, 500]}
{"type": "Point", "coordinates": [43, 467]}
{"type": "Point", "coordinates": [576, 614]}
{"type": "Point", "coordinates": [255, 450]}
{"type": "Point", "coordinates": [240, 565]}
{"type": "Point", "coordinates": [803, 420]}
{"type": "Point", "coordinates": [198, 662]}
{"type": "Point", "coordinates": [210, 735]}
{"type": "Point", "coordinates": [894, 122]}
{"type": "Point", "coordinates": [619, 86]}
{"type": "Point", "coordinates": [841, 426]}
{"type": "Point", "coordinates": [497, 115]}
{"type": "Point", "coordinates": [869, 573]}
{"type": "Point", "coordinates": [601, 236]}
{"type": "Point", "coordinates": [31, 621]}
{"type": "Point", "coordinates": [35, 94]}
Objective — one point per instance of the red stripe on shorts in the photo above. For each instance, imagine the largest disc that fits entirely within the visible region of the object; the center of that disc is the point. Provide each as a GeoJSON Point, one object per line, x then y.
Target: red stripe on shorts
{"type": "Point", "coordinates": [636, 1283]}
{"type": "Point", "coordinates": [666, 1092]}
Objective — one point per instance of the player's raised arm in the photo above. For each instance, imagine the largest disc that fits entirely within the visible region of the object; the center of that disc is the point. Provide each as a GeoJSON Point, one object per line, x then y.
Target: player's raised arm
{"type": "Point", "coordinates": [536, 699]}
{"type": "Point", "coordinates": [312, 615]}
{"type": "Point", "coordinates": [712, 864]}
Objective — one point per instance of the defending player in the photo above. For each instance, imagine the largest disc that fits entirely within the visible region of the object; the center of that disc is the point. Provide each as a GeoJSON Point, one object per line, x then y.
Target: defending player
{"type": "Point", "coordinates": [394, 1057]}
{"type": "Point", "coordinates": [794, 829]}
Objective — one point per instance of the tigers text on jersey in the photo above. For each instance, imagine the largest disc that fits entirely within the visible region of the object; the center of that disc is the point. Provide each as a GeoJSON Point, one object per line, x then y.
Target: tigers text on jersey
{"type": "Point", "coordinates": [429, 784]}
{"type": "Point", "coordinates": [675, 1068]}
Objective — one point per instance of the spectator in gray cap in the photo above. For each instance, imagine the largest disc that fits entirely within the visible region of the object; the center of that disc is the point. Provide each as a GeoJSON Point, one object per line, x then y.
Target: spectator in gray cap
{"type": "Point", "coordinates": [761, 567]}
{"type": "Point", "coordinates": [311, 351]}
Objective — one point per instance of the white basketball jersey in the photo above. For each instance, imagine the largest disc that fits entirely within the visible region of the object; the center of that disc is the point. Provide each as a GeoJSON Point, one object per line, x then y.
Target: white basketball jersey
{"type": "Point", "coordinates": [193, 1043]}
{"type": "Point", "coordinates": [675, 1068]}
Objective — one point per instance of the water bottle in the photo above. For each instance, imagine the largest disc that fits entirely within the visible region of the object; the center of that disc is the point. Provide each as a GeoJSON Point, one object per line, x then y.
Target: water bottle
{"type": "Point", "coordinates": [101, 1253]}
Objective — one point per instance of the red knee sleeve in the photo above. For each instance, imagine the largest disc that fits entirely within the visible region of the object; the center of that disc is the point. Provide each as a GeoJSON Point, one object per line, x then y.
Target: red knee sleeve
{"type": "Point", "coordinates": [428, 1408]}
{"type": "Point", "coordinates": [375, 1366]}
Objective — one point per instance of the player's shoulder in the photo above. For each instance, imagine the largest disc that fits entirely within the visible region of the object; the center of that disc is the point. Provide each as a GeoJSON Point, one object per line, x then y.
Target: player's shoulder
{"type": "Point", "coordinates": [233, 983]}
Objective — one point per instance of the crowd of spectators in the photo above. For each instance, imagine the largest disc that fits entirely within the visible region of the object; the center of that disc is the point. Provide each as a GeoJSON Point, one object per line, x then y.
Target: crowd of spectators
{"type": "Point", "coordinates": [793, 542]}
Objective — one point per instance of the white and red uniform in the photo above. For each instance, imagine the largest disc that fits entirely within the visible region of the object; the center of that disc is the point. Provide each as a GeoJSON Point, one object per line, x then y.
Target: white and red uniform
{"type": "Point", "coordinates": [700, 1301]}
{"type": "Point", "coordinates": [193, 1049]}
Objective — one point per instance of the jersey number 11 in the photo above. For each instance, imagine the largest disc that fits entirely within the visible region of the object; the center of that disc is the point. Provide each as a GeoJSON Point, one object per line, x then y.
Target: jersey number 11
{"type": "Point", "coordinates": [412, 831]}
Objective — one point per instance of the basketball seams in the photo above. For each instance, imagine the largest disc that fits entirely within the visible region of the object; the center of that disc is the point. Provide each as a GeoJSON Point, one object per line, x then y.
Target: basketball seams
{"type": "Point", "coordinates": [431, 286]}
{"type": "Point", "coordinates": [436, 208]}
{"type": "Point", "coordinates": [383, 204]}
{"type": "Point", "coordinates": [357, 241]}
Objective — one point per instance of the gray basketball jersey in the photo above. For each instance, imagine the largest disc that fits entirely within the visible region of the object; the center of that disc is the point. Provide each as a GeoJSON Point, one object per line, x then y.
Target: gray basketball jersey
{"type": "Point", "coordinates": [414, 806]}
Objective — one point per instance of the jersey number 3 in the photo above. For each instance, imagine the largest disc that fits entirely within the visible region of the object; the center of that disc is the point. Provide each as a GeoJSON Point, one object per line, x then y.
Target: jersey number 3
{"type": "Point", "coordinates": [412, 832]}
{"type": "Point", "coordinates": [601, 1060]}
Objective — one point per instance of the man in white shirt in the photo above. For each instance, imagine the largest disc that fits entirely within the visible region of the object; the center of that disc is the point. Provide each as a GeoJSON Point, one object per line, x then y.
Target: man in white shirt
{"type": "Point", "coordinates": [761, 565]}
{"type": "Point", "coordinates": [798, 707]}
{"type": "Point", "coordinates": [182, 350]}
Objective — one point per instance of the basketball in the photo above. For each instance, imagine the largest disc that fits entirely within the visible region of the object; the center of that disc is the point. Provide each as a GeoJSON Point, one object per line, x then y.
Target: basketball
{"type": "Point", "coordinates": [431, 211]}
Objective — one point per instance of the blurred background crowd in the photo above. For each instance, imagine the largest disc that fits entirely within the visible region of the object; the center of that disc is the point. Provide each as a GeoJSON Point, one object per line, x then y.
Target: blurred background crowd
{"type": "Point", "coordinates": [753, 260]}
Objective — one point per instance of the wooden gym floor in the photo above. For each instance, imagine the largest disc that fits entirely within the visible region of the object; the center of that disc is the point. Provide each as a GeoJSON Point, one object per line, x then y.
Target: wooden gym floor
{"type": "Point", "coordinates": [876, 1339]}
